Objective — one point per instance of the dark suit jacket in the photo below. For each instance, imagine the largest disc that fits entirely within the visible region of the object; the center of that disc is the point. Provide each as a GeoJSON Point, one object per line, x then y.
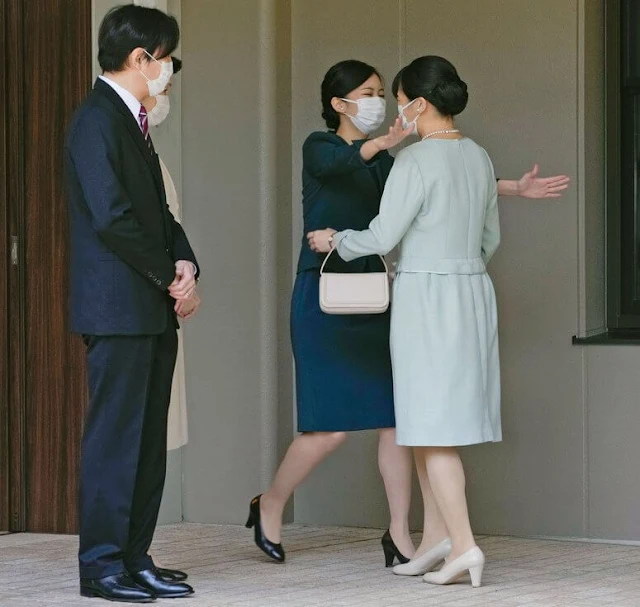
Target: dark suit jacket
{"type": "Point", "coordinates": [340, 191]}
{"type": "Point", "coordinates": [124, 240]}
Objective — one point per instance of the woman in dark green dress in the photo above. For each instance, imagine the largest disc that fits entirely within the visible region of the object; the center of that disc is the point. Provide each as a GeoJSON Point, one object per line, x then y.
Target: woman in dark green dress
{"type": "Point", "coordinates": [343, 366]}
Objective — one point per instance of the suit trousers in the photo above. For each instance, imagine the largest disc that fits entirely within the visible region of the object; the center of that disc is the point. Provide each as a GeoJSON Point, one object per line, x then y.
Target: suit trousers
{"type": "Point", "coordinates": [123, 464]}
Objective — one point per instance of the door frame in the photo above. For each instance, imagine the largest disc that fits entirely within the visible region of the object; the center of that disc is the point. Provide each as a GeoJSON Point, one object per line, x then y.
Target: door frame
{"type": "Point", "coordinates": [12, 334]}
{"type": "Point", "coordinates": [5, 517]}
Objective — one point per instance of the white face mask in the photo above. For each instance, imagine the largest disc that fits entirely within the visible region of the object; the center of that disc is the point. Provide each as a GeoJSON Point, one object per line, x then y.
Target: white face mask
{"type": "Point", "coordinates": [405, 123]}
{"type": "Point", "coordinates": [160, 111]}
{"type": "Point", "coordinates": [370, 115]}
{"type": "Point", "coordinates": [157, 85]}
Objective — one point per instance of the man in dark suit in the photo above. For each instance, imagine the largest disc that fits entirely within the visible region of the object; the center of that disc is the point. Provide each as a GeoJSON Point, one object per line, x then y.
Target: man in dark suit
{"type": "Point", "coordinates": [132, 270]}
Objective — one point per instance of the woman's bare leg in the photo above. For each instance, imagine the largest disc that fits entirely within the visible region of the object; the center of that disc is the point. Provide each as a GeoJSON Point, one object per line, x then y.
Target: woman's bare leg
{"type": "Point", "coordinates": [394, 462]}
{"type": "Point", "coordinates": [304, 454]}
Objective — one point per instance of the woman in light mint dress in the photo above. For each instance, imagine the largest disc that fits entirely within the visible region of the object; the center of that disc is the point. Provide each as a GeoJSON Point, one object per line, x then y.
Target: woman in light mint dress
{"type": "Point", "coordinates": [440, 206]}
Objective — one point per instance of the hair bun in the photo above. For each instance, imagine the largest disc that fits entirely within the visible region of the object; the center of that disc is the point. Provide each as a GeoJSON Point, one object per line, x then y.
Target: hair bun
{"type": "Point", "coordinates": [450, 96]}
{"type": "Point", "coordinates": [435, 79]}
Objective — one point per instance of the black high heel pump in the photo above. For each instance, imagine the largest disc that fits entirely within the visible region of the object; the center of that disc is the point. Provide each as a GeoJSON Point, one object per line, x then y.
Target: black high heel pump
{"type": "Point", "coordinates": [275, 551]}
{"type": "Point", "coordinates": [391, 551]}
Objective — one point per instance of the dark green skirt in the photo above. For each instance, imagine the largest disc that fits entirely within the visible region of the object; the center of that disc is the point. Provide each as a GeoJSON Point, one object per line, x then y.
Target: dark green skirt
{"type": "Point", "coordinates": [343, 365]}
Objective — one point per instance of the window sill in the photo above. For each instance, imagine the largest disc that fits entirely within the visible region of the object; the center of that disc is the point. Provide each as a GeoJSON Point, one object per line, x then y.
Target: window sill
{"type": "Point", "coordinates": [618, 338]}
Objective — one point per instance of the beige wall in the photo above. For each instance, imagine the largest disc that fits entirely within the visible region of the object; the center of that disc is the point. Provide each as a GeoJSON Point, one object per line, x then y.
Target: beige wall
{"type": "Point", "coordinates": [612, 416]}
{"type": "Point", "coordinates": [250, 95]}
{"type": "Point", "coordinates": [591, 185]}
{"type": "Point", "coordinates": [535, 75]}
{"type": "Point", "coordinates": [236, 91]}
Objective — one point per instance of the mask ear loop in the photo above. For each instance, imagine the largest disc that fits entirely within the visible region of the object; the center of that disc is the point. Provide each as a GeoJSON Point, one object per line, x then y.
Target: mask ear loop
{"type": "Point", "coordinates": [140, 69]}
{"type": "Point", "coordinates": [151, 57]}
{"type": "Point", "coordinates": [349, 101]}
{"type": "Point", "coordinates": [404, 107]}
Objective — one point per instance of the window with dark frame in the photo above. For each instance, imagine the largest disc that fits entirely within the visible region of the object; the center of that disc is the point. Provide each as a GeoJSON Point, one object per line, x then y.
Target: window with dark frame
{"type": "Point", "coordinates": [623, 167]}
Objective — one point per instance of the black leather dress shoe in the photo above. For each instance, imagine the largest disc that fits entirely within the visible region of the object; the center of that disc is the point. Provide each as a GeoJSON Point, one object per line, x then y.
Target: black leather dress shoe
{"type": "Point", "coordinates": [119, 588]}
{"type": "Point", "coordinates": [153, 582]}
{"type": "Point", "coordinates": [171, 575]}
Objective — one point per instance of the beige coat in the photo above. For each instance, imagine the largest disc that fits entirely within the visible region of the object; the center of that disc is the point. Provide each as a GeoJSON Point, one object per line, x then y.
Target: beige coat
{"type": "Point", "coordinates": [177, 434]}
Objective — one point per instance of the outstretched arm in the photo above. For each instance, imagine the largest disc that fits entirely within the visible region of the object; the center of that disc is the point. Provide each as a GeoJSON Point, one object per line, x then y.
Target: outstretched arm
{"type": "Point", "coordinates": [491, 232]}
{"type": "Point", "coordinates": [532, 186]}
{"type": "Point", "coordinates": [401, 202]}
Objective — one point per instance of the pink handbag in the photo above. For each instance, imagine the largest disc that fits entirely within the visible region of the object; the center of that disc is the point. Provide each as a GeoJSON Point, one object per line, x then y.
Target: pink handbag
{"type": "Point", "coordinates": [366, 293]}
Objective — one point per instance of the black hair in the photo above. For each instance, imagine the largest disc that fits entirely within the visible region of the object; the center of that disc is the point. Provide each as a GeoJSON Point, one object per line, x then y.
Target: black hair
{"type": "Point", "coordinates": [128, 27]}
{"type": "Point", "coordinates": [339, 81]}
{"type": "Point", "coordinates": [435, 79]}
{"type": "Point", "coordinates": [177, 64]}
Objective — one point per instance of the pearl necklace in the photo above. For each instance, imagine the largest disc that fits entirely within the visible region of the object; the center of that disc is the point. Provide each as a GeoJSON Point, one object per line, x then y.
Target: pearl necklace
{"type": "Point", "coordinates": [442, 132]}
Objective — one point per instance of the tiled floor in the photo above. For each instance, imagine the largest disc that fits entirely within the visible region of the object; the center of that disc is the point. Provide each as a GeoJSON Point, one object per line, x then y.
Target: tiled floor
{"type": "Point", "coordinates": [332, 566]}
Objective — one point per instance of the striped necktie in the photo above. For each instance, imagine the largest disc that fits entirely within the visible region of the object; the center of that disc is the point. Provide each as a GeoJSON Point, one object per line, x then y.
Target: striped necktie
{"type": "Point", "coordinates": [144, 123]}
{"type": "Point", "coordinates": [144, 126]}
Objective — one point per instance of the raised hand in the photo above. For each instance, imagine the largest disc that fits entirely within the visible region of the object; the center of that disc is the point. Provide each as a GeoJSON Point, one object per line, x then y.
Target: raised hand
{"type": "Point", "coordinates": [394, 137]}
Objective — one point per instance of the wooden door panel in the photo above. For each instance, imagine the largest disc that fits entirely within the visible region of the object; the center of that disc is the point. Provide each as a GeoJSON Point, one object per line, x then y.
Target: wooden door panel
{"type": "Point", "coordinates": [47, 71]}
{"type": "Point", "coordinates": [57, 77]}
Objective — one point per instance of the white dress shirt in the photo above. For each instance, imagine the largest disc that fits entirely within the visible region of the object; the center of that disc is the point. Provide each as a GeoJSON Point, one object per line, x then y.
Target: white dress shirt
{"type": "Point", "coordinates": [130, 101]}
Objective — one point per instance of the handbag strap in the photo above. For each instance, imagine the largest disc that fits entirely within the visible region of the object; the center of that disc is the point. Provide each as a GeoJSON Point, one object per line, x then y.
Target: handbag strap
{"type": "Point", "coordinates": [324, 263]}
